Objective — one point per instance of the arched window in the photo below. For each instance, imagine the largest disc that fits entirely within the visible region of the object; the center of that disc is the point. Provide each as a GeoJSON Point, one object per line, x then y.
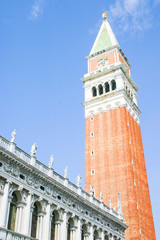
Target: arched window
{"type": "Point", "coordinates": [100, 88]}
{"type": "Point", "coordinates": [12, 212]}
{"type": "Point", "coordinates": [53, 227]}
{"type": "Point", "coordinates": [69, 231]}
{"type": "Point", "coordinates": [107, 87]}
{"type": "Point", "coordinates": [84, 232]}
{"type": "Point", "coordinates": [106, 237]}
{"type": "Point", "coordinates": [113, 84]}
{"type": "Point", "coordinates": [95, 235]}
{"type": "Point", "coordinates": [70, 227]}
{"type": "Point", "coordinates": [34, 220]}
{"type": "Point", "coordinates": [94, 91]}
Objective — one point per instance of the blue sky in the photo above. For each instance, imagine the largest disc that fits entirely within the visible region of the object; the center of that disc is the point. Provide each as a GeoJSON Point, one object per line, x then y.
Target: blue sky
{"type": "Point", "coordinates": [43, 46]}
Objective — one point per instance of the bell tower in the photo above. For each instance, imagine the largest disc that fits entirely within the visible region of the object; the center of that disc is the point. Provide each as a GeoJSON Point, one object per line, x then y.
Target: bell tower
{"type": "Point", "coordinates": [114, 157]}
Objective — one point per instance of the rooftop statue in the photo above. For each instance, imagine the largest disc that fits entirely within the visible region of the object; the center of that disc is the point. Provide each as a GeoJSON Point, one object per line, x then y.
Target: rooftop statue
{"type": "Point", "coordinates": [79, 180]}
{"type": "Point", "coordinates": [13, 135]}
{"type": "Point", "coordinates": [91, 190]}
{"type": "Point", "coordinates": [51, 161]}
{"type": "Point", "coordinates": [101, 197]}
{"type": "Point", "coordinates": [33, 149]}
{"type": "Point", "coordinates": [66, 172]}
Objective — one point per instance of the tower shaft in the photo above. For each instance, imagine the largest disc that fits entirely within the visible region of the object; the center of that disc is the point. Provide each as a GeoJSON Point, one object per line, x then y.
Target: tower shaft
{"type": "Point", "coordinates": [114, 157]}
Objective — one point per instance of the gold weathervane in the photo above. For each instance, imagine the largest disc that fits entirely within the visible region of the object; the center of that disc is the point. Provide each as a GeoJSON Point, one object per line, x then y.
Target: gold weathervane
{"type": "Point", "coordinates": [104, 15]}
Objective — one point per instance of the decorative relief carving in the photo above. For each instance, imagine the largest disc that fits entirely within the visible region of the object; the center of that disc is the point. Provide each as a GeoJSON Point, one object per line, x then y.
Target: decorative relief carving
{"type": "Point", "coordinates": [48, 191]}
{"type": "Point", "coordinates": [2, 184]}
{"type": "Point", "coordinates": [36, 182]}
{"type": "Point", "coordinates": [54, 194]}
{"type": "Point", "coordinates": [11, 169]}
{"type": "Point", "coordinates": [12, 188]}
{"type": "Point", "coordinates": [15, 172]}
{"type": "Point", "coordinates": [7, 168]}
{"type": "Point", "coordinates": [33, 200]}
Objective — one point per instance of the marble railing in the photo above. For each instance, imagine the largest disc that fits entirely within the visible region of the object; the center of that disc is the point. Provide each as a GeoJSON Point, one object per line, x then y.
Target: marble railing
{"type": "Point", "coordinates": [4, 143]}
{"type": "Point", "coordinates": [10, 235]}
{"type": "Point", "coordinates": [9, 146]}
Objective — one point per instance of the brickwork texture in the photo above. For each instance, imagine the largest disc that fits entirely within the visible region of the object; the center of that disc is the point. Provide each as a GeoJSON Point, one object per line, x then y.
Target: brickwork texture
{"type": "Point", "coordinates": [119, 165]}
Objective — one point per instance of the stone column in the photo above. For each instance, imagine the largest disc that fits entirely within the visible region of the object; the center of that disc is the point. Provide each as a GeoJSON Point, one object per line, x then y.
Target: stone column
{"type": "Point", "coordinates": [16, 221]}
{"type": "Point", "coordinates": [91, 233]}
{"type": "Point", "coordinates": [58, 230]}
{"type": "Point", "coordinates": [47, 223]}
{"type": "Point", "coordinates": [39, 227]}
{"type": "Point", "coordinates": [27, 218]}
{"type": "Point", "coordinates": [78, 231]}
{"type": "Point", "coordinates": [20, 219]}
{"type": "Point", "coordinates": [5, 206]}
{"type": "Point", "coordinates": [73, 233]}
{"type": "Point", "coordinates": [110, 86]}
{"type": "Point", "coordinates": [64, 226]}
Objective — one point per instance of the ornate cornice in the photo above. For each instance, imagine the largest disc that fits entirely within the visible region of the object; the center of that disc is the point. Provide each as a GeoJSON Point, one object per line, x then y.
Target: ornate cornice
{"type": "Point", "coordinates": [98, 74]}
{"type": "Point", "coordinates": [56, 193]}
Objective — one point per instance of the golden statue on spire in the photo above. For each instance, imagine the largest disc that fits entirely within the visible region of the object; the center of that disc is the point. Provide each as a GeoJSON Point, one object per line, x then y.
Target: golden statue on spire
{"type": "Point", "coordinates": [104, 15]}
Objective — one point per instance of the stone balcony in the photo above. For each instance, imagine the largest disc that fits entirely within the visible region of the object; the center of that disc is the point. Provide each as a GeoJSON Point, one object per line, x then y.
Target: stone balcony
{"type": "Point", "coordinates": [10, 235]}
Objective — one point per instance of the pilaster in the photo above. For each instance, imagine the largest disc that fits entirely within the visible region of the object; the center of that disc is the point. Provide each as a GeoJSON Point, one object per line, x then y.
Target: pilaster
{"type": "Point", "coordinates": [5, 206]}
{"type": "Point", "coordinates": [47, 223]}
{"type": "Point", "coordinates": [28, 215]}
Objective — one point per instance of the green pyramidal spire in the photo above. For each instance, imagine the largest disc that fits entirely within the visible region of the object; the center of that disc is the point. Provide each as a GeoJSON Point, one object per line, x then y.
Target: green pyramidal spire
{"type": "Point", "coordinates": [105, 39]}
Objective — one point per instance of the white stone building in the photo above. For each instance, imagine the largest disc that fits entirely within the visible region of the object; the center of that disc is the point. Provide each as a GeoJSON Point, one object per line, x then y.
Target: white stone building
{"type": "Point", "coordinates": [38, 203]}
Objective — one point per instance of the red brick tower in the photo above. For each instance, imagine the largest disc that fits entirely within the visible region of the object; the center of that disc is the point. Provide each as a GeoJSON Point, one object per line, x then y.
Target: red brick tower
{"type": "Point", "coordinates": [114, 158]}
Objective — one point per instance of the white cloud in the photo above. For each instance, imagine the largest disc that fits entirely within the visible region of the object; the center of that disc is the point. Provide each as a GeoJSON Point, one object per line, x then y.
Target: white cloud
{"type": "Point", "coordinates": [133, 16]}
{"type": "Point", "coordinates": [36, 10]}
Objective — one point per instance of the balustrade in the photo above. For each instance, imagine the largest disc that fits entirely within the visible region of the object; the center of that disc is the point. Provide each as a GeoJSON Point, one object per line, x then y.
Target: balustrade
{"type": "Point", "coordinates": [10, 235]}
{"type": "Point", "coordinates": [26, 200]}
{"type": "Point", "coordinates": [43, 225]}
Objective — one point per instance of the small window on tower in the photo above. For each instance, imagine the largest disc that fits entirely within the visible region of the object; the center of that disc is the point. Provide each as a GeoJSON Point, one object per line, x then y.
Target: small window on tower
{"type": "Point", "coordinates": [92, 153]}
{"type": "Point", "coordinates": [92, 119]}
{"type": "Point", "coordinates": [100, 88]}
{"type": "Point", "coordinates": [113, 84]}
{"type": "Point", "coordinates": [137, 206]}
{"type": "Point", "coordinates": [129, 92]}
{"type": "Point", "coordinates": [107, 87]}
{"type": "Point", "coordinates": [92, 134]}
{"type": "Point", "coordinates": [94, 91]}
{"type": "Point", "coordinates": [92, 172]}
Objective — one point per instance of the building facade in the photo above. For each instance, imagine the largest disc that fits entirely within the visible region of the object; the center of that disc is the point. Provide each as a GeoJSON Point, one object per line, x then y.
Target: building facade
{"type": "Point", "coordinates": [38, 203]}
{"type": "Point", "coordinates": [114, 157]}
